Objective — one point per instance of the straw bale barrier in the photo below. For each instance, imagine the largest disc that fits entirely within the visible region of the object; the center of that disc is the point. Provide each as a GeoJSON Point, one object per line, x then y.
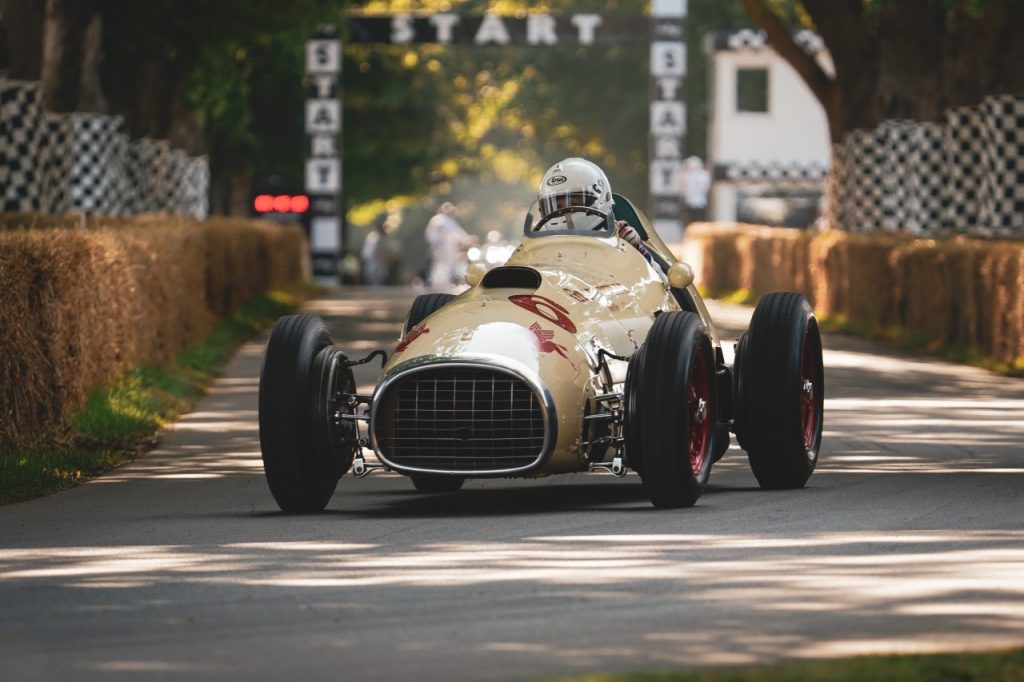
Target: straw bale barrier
{"type": "Point", "coordinates": [79, 304]}
{"type": "Point", "coordinates": [953, 291]}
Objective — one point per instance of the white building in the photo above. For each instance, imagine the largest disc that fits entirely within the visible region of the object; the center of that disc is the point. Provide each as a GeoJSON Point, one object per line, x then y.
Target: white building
{"type": "Point", "coordinates": [768, 142]}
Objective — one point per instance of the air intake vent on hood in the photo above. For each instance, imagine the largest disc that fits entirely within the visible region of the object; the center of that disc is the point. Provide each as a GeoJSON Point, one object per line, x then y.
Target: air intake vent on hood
{"type": "Point", "coordinates": [511, 277]}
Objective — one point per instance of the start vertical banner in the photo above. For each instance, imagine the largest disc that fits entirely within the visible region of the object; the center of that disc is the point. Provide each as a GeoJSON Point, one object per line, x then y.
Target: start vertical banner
{"type": "Point", "coordinates": [668, 117]}
{"type": "Point", "coordinates": [323, 161]}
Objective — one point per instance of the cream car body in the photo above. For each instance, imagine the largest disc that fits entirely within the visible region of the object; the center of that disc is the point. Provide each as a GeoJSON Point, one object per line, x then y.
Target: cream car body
{"type": "Point", "coordinates": [563, 315]}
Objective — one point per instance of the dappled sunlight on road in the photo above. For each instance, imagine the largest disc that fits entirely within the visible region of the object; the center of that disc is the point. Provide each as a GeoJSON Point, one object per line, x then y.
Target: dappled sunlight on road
{"type": "Point", "coordinates": [925, 585]}
{"type": "Point", "coordinates": [907, 538]}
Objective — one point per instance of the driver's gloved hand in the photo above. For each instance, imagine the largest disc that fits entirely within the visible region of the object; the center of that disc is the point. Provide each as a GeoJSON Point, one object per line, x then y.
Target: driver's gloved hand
{"type": "Point", "coordinates": [628, 233]}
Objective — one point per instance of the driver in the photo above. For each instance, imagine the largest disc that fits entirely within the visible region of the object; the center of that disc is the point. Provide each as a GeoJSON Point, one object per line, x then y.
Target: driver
{"type": "Point", "coordinates": [578, 182]}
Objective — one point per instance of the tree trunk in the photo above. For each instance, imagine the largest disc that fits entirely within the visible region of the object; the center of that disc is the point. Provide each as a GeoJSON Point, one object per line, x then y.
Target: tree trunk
{"type": "Point", "coordinates": [91, 97]}
{"type": "Point", "coordinates": [23, 21]}
{"type": "Point", "coordinates": [64, 39]}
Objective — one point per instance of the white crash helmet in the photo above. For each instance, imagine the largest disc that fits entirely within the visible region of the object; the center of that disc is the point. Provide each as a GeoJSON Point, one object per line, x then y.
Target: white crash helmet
{"type": "Point", "coordinates": [575, 182]}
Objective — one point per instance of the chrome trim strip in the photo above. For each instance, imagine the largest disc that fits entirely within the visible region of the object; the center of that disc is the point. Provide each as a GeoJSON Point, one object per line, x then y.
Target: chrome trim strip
{"type": "Point", "coordinates": [506, 365]}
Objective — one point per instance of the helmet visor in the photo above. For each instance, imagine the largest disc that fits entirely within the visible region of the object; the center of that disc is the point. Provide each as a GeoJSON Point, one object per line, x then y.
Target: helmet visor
{"type": "Point", "coordinates": [552, 202]}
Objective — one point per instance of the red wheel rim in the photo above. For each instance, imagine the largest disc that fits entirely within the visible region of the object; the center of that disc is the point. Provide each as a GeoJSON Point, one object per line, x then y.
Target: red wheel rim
{"type": "Point", "coordinates": [698, 411]}
{"type": "Point", "coordinates": [810, 389]}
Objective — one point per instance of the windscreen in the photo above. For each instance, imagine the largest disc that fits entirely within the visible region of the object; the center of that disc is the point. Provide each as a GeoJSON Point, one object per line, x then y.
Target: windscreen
{"type": "Point", "coordinates": [571, 218]}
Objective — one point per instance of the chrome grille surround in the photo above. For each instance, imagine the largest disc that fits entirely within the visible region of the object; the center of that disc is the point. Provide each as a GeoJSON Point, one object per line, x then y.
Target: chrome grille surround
{"type": "Point", "coordinates": [463, 456]}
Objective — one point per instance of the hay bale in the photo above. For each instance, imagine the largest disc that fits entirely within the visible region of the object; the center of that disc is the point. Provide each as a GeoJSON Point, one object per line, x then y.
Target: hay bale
{"type": "Point", "coordinates": [82, 305]}
{"type": "Point", "coordinates": [958, 291]}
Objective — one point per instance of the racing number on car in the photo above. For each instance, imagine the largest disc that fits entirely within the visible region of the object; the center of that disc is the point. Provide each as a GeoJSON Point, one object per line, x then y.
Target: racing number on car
{"type": "Point", "coordinates": [545, 308]}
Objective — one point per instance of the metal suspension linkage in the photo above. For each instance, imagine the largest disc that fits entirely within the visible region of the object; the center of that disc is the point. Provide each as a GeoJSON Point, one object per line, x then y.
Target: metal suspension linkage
{"type": "Point", "coordinates": [614, 402]}
{"type": "Point", "coordinates": [349, 414]}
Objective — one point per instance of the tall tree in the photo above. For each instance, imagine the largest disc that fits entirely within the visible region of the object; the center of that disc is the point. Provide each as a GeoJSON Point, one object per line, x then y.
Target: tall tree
{"type": "Point", "coordinates": [67, 22]}
{"type": "Point", "coordinates": [902, 58]}
{"type": "Point", "coordinates": [23, 21]}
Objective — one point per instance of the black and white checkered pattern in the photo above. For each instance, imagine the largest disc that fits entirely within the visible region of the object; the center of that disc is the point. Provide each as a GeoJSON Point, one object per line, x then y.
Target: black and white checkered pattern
{"type": "Point", "coordinates": [862, 200]}
{"type": "Point", "coordinates": [775, 172]}
{"type": "Point", "coordinates": [914, 168]}
{"type": "Point", "coordinates": [85, 163]}
{"type": "Point", "coordinates": [55, 163]}
{"type": "Point", "coordinates": [143, 165]}
{"type": "Point", "coordinates": [1002, 195]}
{"type": "Point", "coordinates": [966, 175]}
{"type": "Point", "coordinates": [748, 39]}
{"type": "Point", "coordinates": [899, 201]}
{"type": "Point", "coordinates": [965, 168]}
{"type": "Point", "coordinates": [21, 139]}
{"type": "Point", "coordinates": [97, 167]}
{"type": "Point", "coordinates": [930, 169]}
{"type": "Point", "coordinates": [174, 178]}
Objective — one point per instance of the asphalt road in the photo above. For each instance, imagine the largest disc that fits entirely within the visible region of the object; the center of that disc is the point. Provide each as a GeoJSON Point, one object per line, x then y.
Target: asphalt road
{"type": "Point", "coordinates": [908, 538]}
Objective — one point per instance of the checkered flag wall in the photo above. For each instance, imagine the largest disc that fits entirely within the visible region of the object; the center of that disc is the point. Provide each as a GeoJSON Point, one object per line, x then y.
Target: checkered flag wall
{"type": "Point", "coordinates": [55, 163]}
{"type": "Point", "coordinates": [965, 175]}
{"type": "Point", "coordinates": [97, 167]}
{"type": "Point", "coordinates": [930, 169]}
{"type": "Point", "coordinates": [21, 141]}
{"type": "Point", "coordinates": [864, 164]}
{"type": "Point", "coordinates": [965, 168]}
{"type": "Point", "coordinates": [915, 166]}
{"type": "Point", "coordinates": [85, 163]}
{"type": "Point", "coordinates": [1002, 188]}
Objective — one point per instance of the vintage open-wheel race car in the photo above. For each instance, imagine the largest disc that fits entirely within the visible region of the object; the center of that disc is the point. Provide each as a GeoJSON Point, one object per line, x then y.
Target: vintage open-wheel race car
{"type": "Point", "coordinates": [579, 354]}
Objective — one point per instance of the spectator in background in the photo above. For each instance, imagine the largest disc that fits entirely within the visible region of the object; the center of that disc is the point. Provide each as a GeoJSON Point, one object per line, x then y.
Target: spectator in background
{"type": "Point", "coordinates": [379, 256]}
{"type": "Point", "coordinates": [376, 269]}
{"type": "Point", "coordinates": [696, 184]}
{"type": "Point", "coordinates": [448, 243]}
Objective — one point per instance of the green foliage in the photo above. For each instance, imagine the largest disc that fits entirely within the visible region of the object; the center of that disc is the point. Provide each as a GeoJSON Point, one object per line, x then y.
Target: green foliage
{"type": "Point", "coordinates": [122, 419]}
{"type": "Point", "coordinates": [235, 65]}
{"type": "Point", "coordinates": [444, 122]}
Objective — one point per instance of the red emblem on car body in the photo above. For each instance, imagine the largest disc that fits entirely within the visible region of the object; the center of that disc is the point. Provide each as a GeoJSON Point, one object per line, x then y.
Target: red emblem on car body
{"type": "Point", "coordinates": [546, 308]}
{"type": "Point", "coordinates": [410, 337]}
{"type": "Point", "coordinates": [544, 342]}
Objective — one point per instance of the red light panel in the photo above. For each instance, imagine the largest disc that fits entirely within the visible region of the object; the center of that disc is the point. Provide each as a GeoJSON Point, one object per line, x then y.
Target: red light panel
{"type": "Point", "coordinates": [282, 203]}
{"type": "Point", "coordinates": [300, 203]}
{"type": "Point", "coordinates": [264, 203]}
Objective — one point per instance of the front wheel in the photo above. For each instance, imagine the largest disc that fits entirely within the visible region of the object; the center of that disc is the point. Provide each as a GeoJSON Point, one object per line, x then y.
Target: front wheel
{"type": "Point", "coordinates": [301, 468]}
{"type": "Point", "coordinates": [781, 391]}
{"type": "Point", "coordinates": [671, 408]}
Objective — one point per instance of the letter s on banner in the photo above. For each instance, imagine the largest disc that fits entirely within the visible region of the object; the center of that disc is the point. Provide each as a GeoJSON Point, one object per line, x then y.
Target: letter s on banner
{"type": "Point", "coordinates": [401, 29]}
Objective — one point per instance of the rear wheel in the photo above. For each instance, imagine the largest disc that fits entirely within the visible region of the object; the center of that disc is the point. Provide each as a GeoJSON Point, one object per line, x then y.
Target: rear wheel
{"type": "Point", "coordinates": [671, 404]}
{"type": "Point", "coordinates": [781, 391]}
{"type": "Point", "coordinates": [424, 306]}
{"type": "Point", "coordinates": [299, 466]}
{"type": "Point", "coordinates": [432, 483]}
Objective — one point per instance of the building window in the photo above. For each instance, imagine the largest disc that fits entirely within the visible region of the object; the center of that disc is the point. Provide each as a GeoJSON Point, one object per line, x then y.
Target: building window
{"type": "Point", "coordinates": [752, 90]}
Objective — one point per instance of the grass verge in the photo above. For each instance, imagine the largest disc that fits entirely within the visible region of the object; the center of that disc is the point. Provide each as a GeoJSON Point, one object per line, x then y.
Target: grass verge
{"type": "Point", "coordinates": [123, 419]}
{"type": "Point", "coordinates": [898, 337]}
{"type": "Point", "coordinates": [998, 666]}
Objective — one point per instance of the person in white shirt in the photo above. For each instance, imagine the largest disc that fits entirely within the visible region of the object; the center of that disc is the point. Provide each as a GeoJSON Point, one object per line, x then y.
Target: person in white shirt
{"type": "Point", "coordinates": [696, 184]}
{"type": "Point", "coordinates": [448, 243]}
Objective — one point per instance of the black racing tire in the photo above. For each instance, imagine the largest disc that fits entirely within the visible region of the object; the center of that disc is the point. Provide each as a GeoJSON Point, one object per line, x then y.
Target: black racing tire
{"type": "Point", "coordinates": [781, 391]}
{"type": "Point", "coordinates": [436, 483]}
{"type": "Point", "coordinates": [297, 475]}
{"type": "Point", "coordinates": [671, 403]}
{"type": "Point", "coordinates": [423, 307]}
{"type": "Point", "coordinates": [737, 417]}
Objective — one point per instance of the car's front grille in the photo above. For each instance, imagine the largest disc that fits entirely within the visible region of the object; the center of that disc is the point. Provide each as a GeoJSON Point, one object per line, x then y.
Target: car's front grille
{"type": "Point", "coordinates": [469, 419]}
